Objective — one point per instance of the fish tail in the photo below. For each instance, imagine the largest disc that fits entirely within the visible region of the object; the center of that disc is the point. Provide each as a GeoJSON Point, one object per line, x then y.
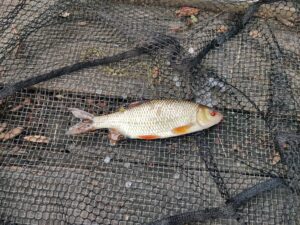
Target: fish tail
{"type": "Point", "coordinates": [86, 125]}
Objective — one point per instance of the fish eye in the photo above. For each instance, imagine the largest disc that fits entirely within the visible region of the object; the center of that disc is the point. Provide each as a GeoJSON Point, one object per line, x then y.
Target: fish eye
{"type": "Point", "coordinates": [213, 113]}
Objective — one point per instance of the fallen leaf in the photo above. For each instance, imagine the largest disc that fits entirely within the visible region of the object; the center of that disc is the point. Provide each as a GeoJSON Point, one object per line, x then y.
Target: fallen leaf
{"type": "Point", "coordinates": [11, 134]}
{"type": "Point", "coordinates": [17, 108]}
{"type": "Point", "coordinates": [276, 158]}
{"type": "Point", "coordinates": [286, 22]}
{"type": "Point", "coordinates": [17, 151]}
{"type": "Point", "coordinates": [155, 72]}
{"type": "Point", "coordinates": [255, 33]}
{"type": "Point", "coordinates": [26, 101]}
{"type": "Point", "coordinates": [187, 11]}
{"type": "Point", "coordinates": [222, 29]}
{"type": "Point", "coordinates": [2, 126]}
{"type": "Point", "coordinates": [37, 139]}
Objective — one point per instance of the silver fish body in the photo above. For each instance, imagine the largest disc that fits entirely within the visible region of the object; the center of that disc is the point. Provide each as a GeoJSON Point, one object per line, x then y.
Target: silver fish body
{"type": "Point", "coordinates": [154, 119]}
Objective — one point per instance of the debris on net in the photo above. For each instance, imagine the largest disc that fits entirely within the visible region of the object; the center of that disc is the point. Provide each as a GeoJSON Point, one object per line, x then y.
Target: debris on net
{"type": "Point", "coordinates": [240, 58]}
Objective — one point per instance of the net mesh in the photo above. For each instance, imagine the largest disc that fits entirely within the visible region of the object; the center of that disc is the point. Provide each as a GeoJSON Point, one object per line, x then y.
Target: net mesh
{"type": "Point", "coordinates": [252, 77]}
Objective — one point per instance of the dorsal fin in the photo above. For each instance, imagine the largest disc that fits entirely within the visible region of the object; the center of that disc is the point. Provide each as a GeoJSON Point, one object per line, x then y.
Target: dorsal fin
{"type": "Point", "coordinates": [131, 105]}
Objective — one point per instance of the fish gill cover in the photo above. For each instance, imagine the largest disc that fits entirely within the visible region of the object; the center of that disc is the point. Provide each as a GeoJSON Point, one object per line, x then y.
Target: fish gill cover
{"type": "Point", "coordinates": [240, 58]}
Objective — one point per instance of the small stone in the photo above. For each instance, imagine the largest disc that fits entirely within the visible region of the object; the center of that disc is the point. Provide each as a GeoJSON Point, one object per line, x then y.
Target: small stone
{"type": "Point", "coordinates": [99, 91]}
{"type": "Point", "coordinates": [210, 80]}
{"type": "Point", "coordinates": [215, 83]}
{"type": "Point", "coordinates": [82, 23]}
{"type": "Point", "coordinates": [178, 84]}
{"type": "Point", "coordinates": [107, 159]}
{"type": "Point", "coordinates": [128, 184]}
{"type": "Point", "coordinates": [176, 78]}
{"type": "Point", "coordinates": [276, 158]}
{"type": "Point", "coordinates": [126, 217]}
{"type": "Point", "coordinates": [65, 14]}
{"type": "Point", "coordinates": [127, 165]}
{"type": "Point", "coordinates": [191, 50]}
{"type": "Point", "coordinates": [176, 176]}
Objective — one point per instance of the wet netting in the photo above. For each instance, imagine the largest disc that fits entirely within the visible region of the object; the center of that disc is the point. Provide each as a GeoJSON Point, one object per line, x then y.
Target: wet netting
{"type": "Point", "coordinates": [241, 58]}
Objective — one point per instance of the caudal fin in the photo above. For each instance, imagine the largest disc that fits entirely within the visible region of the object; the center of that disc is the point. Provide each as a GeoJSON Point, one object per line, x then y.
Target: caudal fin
{"type": "Point", "coordinates": [86, 125]}
{"type": "Point", "coordinates": [80, 114]}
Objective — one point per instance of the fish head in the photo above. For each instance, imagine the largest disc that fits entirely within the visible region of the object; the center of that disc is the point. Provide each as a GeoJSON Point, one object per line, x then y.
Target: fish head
{"type": "Point", "coordinates": [208, 117]}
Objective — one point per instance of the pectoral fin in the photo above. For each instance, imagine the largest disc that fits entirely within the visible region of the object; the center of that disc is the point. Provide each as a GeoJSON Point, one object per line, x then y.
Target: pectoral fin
{"type": "Point", "coordinates": [182, 129]}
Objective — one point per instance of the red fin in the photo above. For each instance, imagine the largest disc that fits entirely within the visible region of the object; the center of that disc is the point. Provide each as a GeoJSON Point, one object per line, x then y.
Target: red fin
{"type": "Point", "coordinates": [148, 137]}
{"type": "Point", "coordinates": [182, 129]}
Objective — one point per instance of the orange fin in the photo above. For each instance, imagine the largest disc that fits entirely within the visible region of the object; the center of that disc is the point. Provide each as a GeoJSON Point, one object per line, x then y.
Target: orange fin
{"type": "Point", "coordinates": [148, 137]}
{"type": "Point", "coordinates": [182, 129]}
